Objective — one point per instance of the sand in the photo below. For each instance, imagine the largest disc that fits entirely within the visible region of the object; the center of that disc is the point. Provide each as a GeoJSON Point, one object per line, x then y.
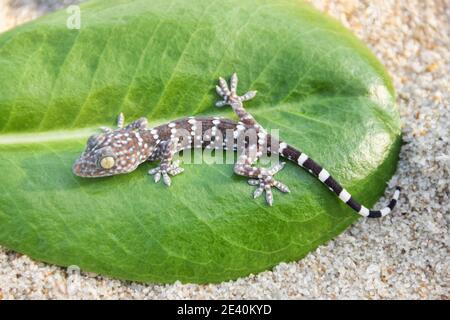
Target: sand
{"type": "Point", "coordinates": [405, 255]}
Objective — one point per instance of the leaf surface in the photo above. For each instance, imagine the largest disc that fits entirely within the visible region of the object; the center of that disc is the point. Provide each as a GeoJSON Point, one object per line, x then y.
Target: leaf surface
{"type": "Point", "coordinates": [317, 84]}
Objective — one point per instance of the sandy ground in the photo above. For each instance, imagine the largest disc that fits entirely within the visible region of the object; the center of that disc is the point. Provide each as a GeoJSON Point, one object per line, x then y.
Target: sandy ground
{"type": "Point", "coordinates": [405, 255]}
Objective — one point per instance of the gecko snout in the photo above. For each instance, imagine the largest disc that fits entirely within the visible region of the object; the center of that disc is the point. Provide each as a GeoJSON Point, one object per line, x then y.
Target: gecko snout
{"type": "Point", "coordinates": [78, 169]}
{"type": "Point", "coordinates": [83, 168]}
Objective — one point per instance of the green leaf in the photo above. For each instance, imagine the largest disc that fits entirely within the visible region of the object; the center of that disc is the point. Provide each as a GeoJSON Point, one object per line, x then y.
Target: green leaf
{"type": "Point", "coordinates": [317, 84]}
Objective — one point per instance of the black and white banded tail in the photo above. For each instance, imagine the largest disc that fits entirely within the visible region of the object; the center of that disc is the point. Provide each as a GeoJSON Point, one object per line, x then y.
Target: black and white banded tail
{"type": "Point", "coordinates": [324, 176]}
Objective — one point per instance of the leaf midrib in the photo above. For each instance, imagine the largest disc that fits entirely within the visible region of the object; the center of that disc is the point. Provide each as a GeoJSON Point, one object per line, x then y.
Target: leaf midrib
{"type": "Point", "coordinates": [81, 133]}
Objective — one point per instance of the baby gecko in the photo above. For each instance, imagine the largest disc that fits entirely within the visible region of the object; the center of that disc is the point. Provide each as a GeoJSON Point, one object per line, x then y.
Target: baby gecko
{"type": "Point", "coordinates": [122, 150]}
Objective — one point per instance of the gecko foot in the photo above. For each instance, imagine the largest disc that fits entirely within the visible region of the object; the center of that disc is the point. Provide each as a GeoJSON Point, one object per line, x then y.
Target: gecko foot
{"type": "Point", "coordinates": [266, 182]}
{"type": "Point", "coordinates": [164, 171]}
{"type": "Point", "coordinates": [229, 94]}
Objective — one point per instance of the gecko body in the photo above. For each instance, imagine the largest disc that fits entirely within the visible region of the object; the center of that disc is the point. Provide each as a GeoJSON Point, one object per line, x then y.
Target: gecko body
{"type": "Point", "coordinates": [122, 150]}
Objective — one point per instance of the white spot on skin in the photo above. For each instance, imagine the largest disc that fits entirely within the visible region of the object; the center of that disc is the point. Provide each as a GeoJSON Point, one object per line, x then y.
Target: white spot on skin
{"type": "Point", "coordinates": [344, 195]}
{"type": "Point", "coordinates": [396, 194]}
{"type": "Point", "coordinates": [171, 125]}
{"type": "Point", "coordinates": [301, 160]}
{"type": "Point", "coordinates": [363, 211]}
{"type": "Point", "coordinates": [385, 211]}
{"type": "Point", "coordinates": [323, 175]}
{"type": "Point", "coordinates": [138, 136]}
{"type": "Point", "coordinates": [216, 122]}
{"type": "Point", "coordinates": [283, 146]}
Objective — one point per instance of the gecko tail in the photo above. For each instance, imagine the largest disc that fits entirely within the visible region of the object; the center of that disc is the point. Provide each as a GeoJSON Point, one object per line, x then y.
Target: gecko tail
{"type": "Point", "coordinates": [386, 210]}
{"type": "Point", "coordinates": [324, 176]}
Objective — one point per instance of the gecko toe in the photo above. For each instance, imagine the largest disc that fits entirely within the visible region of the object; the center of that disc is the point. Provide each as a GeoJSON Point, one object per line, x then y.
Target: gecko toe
{"type": "Point", "coordinates": [258, 192]}
{"type": "Point", "coordinates": [282, 187]}
{"type": "Point", "coordinates": [166, 179]}
{"type": "Point", "coordinates": [157, 177]}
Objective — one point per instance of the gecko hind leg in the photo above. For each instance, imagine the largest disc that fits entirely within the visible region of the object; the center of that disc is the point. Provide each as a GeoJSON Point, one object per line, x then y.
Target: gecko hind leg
{"type": "Point", "coordinates": [231, 98]}
{"type": "Point", "coordinates": [260, 177]}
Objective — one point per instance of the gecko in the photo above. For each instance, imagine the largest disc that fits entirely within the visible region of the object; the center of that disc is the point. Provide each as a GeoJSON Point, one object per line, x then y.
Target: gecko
{"type": "Point", "coordinates": [122, 150]}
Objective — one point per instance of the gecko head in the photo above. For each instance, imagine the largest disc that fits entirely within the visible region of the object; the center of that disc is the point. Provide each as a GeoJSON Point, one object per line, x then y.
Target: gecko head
{"type": "Point", "coordinates": [108, 154]}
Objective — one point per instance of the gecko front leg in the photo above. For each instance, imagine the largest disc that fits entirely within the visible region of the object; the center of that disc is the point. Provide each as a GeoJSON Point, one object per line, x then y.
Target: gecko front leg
{"type": "Point", "coordinates": [165, 152]}
{"type": "Point", "coordinates": [231, 98]}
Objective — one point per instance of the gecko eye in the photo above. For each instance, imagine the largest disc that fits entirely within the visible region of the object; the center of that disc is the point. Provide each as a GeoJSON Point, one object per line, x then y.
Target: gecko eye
{"type": "Point", "coordinates": [107, 162]}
